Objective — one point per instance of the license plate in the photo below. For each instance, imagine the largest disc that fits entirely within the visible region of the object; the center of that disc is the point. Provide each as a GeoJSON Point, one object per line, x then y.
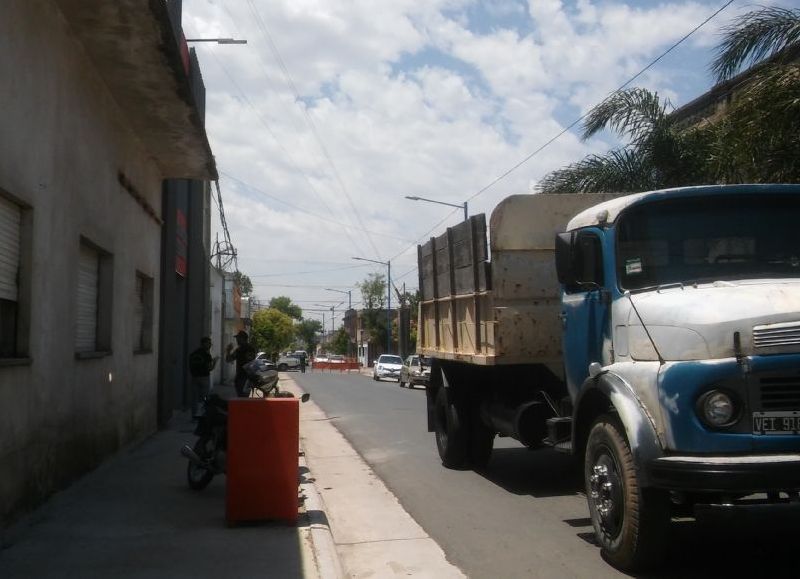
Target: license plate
{"type": "Point", "coordinates": [776, 422]}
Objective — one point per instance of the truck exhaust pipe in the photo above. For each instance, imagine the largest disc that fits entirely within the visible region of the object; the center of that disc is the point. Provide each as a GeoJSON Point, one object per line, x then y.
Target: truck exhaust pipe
{"type": "Point", "coordinates": [525, 422]}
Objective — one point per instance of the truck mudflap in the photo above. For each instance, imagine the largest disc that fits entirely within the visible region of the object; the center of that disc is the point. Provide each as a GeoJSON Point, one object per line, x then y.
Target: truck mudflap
{"type": "Point", "coordinates": [727, 474]}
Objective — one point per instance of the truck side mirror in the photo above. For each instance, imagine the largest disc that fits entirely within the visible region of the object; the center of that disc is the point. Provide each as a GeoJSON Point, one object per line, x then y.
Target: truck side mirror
{"type": "Point", "coordinates": [565, 269]}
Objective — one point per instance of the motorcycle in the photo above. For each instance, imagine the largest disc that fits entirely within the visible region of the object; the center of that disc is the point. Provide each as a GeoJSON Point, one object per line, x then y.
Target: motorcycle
{"type": "Point", "coordinates": [207, 458]}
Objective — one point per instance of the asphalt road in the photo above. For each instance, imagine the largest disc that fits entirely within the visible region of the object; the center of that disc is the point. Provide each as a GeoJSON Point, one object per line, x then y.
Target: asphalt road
{"type": "Point", "coordinates": [525, 516]}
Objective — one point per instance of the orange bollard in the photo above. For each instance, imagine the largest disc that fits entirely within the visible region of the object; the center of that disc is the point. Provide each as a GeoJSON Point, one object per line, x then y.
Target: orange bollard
{"type": "Point", "coordinates": [262, 466]}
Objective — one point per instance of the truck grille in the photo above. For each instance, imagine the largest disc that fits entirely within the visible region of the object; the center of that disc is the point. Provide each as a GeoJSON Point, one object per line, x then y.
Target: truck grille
{"type": "Point", "coordinates": [777, 335]}
{"type": "Point", "coordinates": [780, 392]}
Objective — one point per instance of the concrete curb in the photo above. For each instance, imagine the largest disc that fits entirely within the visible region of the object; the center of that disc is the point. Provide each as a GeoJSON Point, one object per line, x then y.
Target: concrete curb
{"type": "Point", "coordinates": [326, 557]}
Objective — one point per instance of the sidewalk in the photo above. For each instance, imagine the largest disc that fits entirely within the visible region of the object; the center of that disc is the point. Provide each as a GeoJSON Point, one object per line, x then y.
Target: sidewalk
{"type": "Point", "coordinates": [135, 517]}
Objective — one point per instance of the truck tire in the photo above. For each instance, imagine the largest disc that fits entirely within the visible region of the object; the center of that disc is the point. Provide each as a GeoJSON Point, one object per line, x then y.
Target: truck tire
{"type": "Point", "coordinates": [283, 367]}
{"type": "Point", "coordinates": [452, 435]}
{"type": "Point", "coordinates": [630, 522]}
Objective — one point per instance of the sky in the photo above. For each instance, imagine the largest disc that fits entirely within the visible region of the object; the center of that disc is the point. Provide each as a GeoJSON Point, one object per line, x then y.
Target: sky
{"type": "Point", "coordinates": [336, 110]}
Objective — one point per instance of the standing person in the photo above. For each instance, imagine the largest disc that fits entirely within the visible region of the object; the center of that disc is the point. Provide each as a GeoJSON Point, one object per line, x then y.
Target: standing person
{"type": "Point", "coordinates": [243, 354]}
{"type": "Point", "coordinates": [200, 366]}
{"type": "Point", "coordinates": [302, 364]}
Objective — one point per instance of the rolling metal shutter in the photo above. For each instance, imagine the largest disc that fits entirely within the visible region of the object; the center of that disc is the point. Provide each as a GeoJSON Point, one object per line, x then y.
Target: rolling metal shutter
{"type": "Point", "coordinates": [86, 329]}
{"type": "Point", "coordinates": [10, 219]}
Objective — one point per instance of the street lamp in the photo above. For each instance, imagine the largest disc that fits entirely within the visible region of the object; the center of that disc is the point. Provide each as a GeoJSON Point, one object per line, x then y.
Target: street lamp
{"type": "Point", "coordinates": [218, 40]}
{"type": "Point", "coordinates": [459, 205]}
{"type": "Point", "coordinates": [349, 307]}
{"type": "Point", "coordinates": [388, 265]}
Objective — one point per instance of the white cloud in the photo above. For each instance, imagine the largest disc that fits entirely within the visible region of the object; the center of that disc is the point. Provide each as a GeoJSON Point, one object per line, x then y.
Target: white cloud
{"type": "Point", "coordinates": [408, 98]}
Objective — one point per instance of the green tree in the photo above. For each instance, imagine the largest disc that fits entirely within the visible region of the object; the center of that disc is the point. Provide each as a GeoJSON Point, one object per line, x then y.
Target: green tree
{"type": "Point", "coordinates": [244, 283]}
{"type": "Point", "coordinates": [307, 333]}
{"type": "Point", "coordinates": [373, 291]}
{"type": "Point", "coordinates": [340, 341]}
{"type": "Point", "coordinates": [273, 331]}
{"type": "Point", "coordinates": [373, 295]}
{"type": "Point", "coordinates": [285, 305]}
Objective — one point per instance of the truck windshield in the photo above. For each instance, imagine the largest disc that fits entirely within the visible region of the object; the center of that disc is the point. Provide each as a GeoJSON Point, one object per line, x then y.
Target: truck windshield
{"type": "Point", "coordinates": [695, 240]}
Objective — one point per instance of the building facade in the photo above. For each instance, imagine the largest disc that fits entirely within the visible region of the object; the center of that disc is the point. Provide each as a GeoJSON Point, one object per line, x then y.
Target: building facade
{"type": "Point", "coordinates": [99, 114]}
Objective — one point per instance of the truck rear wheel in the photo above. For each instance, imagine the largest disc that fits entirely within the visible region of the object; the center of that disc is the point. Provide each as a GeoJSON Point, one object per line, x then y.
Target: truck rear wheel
{"type": "Point", "coordinates": [452, 435]}
{"type": "Point", "coordinates": [629, 521]}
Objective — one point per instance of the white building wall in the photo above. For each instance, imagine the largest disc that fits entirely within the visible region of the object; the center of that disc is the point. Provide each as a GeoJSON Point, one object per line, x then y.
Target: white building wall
{"type": "Point", "coordinates": [63, 143]}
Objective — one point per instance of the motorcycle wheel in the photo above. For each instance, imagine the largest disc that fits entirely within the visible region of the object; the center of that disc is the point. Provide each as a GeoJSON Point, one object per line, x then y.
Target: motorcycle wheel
{"type": "Point", "coordinates": [197, 476]}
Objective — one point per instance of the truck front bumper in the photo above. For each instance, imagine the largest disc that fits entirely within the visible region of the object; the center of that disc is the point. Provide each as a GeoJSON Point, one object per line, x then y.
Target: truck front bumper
{"type": "Point", "coordinates": [727, 474]}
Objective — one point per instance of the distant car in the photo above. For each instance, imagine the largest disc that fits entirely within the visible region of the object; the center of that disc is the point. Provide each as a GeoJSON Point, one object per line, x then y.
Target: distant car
{"type": "Point", "coordinates": [288, 362]}
{"type": "Point", "coordinates": [337, 359]}
{"type": "Point", "coordinates": [300, 354]}
{"type": "Point", "coordinates": [415, 371]}
{"type": "Point", "coordinates": [387, 366]}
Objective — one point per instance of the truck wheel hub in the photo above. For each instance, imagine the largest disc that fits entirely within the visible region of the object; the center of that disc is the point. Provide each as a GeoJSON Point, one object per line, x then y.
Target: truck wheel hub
{"type": "Point", "coordinates": [605, 493]}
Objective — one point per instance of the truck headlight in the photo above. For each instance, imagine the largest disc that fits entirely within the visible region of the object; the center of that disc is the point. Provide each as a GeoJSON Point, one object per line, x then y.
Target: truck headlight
{"type": "Point", "coordinates": [717, 409]}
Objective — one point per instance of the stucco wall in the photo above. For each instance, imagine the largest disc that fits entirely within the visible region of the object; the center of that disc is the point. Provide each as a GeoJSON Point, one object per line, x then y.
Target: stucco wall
{"type": "Point", "coordinates": [63, 143]}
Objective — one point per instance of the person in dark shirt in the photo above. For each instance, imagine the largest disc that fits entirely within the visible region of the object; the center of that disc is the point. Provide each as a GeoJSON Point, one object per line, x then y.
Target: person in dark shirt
{"type": "Point", "coordinates": [201, 363]}
{"type": "Point", "coordinates": [243, 354]}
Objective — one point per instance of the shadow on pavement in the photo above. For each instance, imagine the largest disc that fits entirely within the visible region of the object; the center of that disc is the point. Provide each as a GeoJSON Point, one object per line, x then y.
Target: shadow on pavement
{"type": "Point", "coordinates": [539, 473]}
{"type": "Point", "coordinates": [135, 516]}
{"type": "Point", "coordinates": [741, 546]}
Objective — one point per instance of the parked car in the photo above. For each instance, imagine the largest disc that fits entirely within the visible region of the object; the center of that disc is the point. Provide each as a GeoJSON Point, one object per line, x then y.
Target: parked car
{"type": "Point", "coordinates": [337, 359]}
{"type": "Point", "coordinates": [387, 366]}
{"type": "Point", "coordinates": [301, 354]}
{"type": "Point", "coordinates": [288, 362]}
{"type": "Point", "coordinates": [415, 371]}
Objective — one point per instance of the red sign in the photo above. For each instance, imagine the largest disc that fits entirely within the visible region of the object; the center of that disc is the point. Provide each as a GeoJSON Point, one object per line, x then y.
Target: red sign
{"type": "Point", "coordinates": [181, 243]}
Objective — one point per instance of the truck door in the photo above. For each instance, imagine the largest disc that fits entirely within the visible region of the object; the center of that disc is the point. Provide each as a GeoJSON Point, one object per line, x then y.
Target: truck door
{"type": "Point", "coordinates": [584, 309]}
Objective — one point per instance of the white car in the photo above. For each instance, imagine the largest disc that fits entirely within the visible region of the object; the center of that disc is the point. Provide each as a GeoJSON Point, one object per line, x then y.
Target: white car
{"type": "Point", "coordinates": [387, 366]}
{"type": "Point", "coordinates": [288, 362]}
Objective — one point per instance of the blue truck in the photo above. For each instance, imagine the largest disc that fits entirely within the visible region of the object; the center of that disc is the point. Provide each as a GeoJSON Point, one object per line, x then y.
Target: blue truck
{"type": "Point", "coordinates": [654, 336]}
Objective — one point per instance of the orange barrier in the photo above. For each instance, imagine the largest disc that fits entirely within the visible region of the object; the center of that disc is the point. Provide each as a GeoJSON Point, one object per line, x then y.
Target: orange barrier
{"type": "Point", "coordinates": [262, 469]}
{"type": "Point", "coordinates": [341, 366]}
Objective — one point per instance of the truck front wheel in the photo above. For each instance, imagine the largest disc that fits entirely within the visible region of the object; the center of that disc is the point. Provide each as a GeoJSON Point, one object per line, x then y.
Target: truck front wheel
{"type": "Point", "coordinates": [452, 436]}
{"type": "Point", "coordinates": [629, 521]}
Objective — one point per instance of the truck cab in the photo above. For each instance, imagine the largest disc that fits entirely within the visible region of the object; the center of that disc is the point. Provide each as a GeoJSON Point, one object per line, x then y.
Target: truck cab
{"type": "Point", "coordinates": [681, 344]}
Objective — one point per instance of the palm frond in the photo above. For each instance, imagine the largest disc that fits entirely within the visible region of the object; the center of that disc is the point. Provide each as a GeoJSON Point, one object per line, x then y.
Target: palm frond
{"type": "Point", "coordinates": [635, 113]}
{"type": "Point", "coordinates": [755, 36]}
{"type": "Point", "coordinates": [618, 171]}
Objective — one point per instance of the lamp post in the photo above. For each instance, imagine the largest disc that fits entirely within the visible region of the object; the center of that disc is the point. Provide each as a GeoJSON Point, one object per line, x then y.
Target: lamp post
{"type": "Point", "coordinates": [388, 265]}
{"type": "Point", "coordinates": [349, 307]}
{"type": "Point", "coordinates": [218, 40]}
{"type": "Point", "coordinates": [459, 205]}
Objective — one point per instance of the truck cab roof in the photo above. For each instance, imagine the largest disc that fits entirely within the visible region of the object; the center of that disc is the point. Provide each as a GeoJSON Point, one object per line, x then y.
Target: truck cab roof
{"type": "Point", "coordinates": [607, 212]}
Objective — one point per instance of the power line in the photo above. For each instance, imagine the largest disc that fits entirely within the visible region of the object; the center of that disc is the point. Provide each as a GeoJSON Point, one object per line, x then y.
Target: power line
{"type": "Point", "coordinates": [277, 140]}
{"type": "Point", "coordinates": [306, 211]}
{"type": "Point", "coordinates": [571, 125]}
{"type": "Point", "coordinates": [626, 83]}
{"type": "Point", "coordinates": [312, 126]}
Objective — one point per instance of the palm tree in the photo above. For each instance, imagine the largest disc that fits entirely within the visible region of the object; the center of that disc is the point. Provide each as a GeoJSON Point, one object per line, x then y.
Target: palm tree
{"type": "Point", "coordinates": [758, 140]}
{"type": "Point", "coordinates": [755, 141]}
{"type": "Point", "coordinates": [657, 154]}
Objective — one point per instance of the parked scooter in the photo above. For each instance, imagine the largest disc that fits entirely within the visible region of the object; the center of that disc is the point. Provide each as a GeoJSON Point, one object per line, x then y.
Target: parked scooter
{"type": "Point", "coordinates": [208, 457]}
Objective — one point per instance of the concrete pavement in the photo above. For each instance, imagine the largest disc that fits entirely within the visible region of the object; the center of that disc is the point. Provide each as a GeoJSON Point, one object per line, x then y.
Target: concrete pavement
{"type": "Point", "coordinates": [135, 517]}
